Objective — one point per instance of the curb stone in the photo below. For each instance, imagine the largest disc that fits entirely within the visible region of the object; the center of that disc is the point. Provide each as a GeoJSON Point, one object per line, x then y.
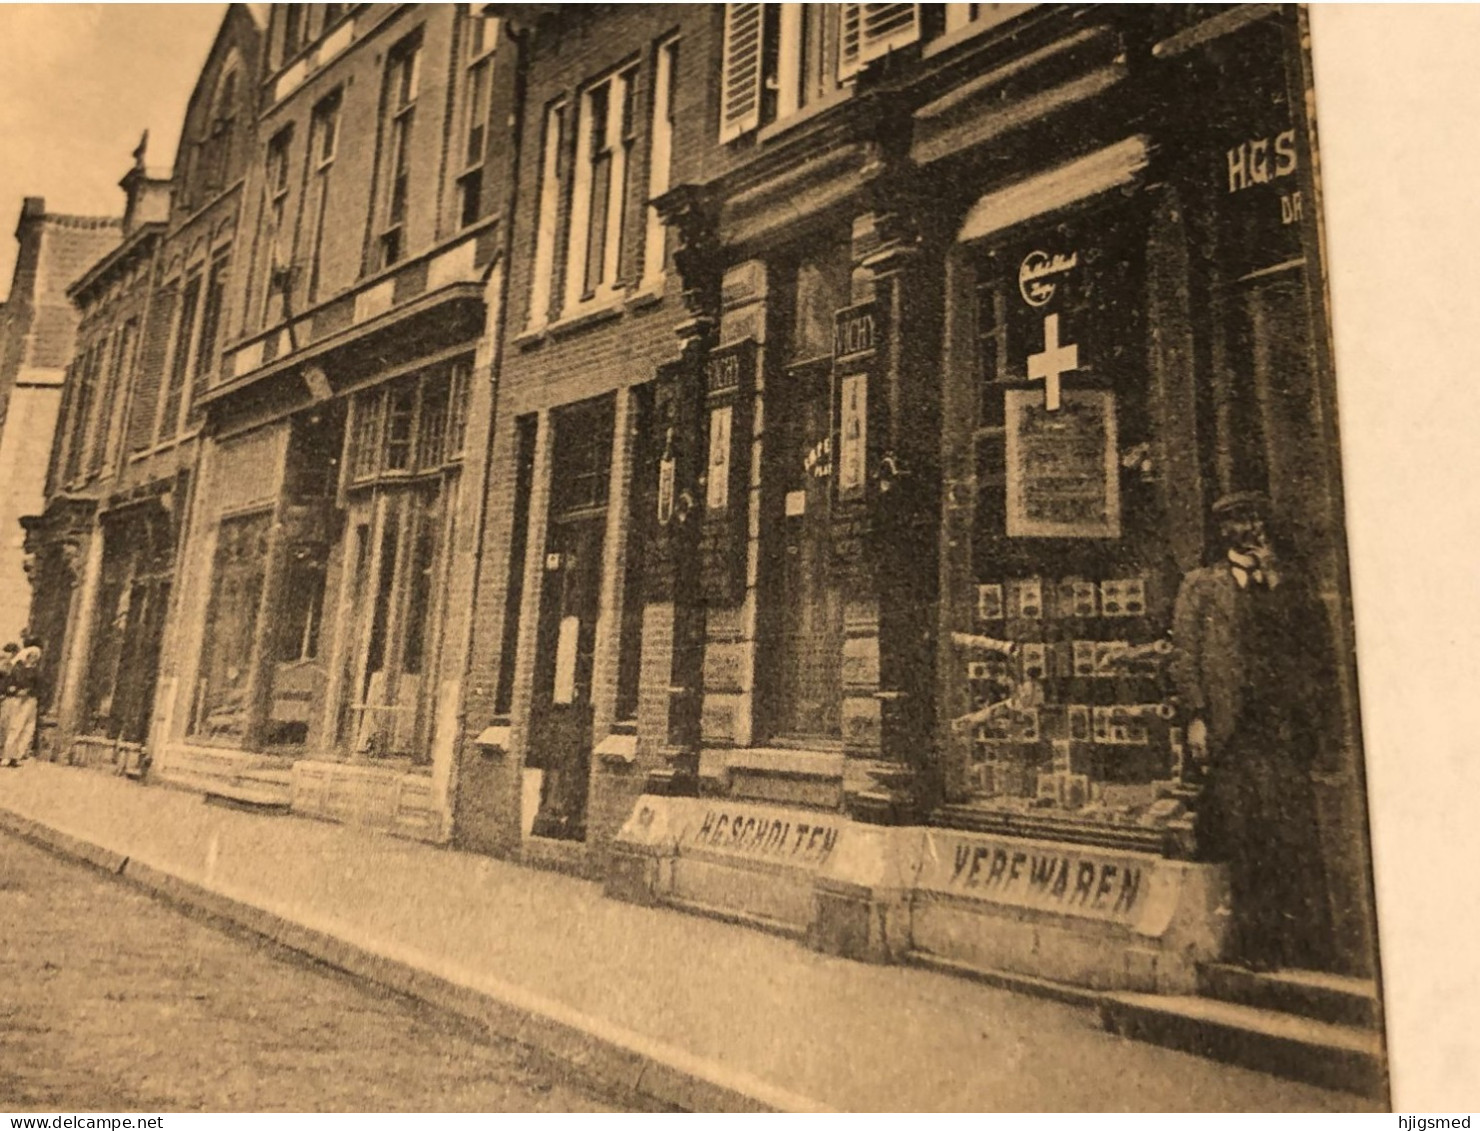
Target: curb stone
{"type": "Point", "coordinates": [613, 1057]}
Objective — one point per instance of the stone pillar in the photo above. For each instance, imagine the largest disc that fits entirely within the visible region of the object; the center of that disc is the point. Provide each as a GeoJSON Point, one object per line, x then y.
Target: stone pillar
{"type": "Point", "coordinates": [674, 565]}
{"type": "Point", "coordinates": [903, 781]}
{"type": "Point", "coordinates": [84, 555]}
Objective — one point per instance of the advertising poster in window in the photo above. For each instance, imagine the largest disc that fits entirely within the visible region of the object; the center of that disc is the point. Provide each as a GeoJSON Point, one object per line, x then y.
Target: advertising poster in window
{"type": "Point", "coordinates": [1062, 476]}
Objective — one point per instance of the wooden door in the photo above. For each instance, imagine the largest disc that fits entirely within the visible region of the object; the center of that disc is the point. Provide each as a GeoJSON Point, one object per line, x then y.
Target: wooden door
{"type": "Point", "coordinates": [809, 633]}
{"type": "Point", "coordinates": [561, 713]}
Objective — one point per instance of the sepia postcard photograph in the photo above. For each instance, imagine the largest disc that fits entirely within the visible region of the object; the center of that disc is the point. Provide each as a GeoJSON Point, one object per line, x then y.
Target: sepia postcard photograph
{"type": "Point", "coordinates": [718, 558]}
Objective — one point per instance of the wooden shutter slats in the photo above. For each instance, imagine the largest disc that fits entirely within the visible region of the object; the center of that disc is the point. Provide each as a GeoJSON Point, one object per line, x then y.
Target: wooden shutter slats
{"type": "Point", "coordinates": [740, 82]}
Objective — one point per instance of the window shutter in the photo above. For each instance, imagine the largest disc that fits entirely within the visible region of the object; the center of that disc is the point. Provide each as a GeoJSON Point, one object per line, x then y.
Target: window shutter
{"type": "Point", "coordinates": [740, 82]}
{"type": "Point", "coordinates": [850, 23]}
{"type": "Point", "coordinates": [886, 27]}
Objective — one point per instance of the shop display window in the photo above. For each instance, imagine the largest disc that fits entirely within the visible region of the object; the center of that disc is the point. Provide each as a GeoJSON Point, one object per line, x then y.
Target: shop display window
{"type": "Point", "coordinates": [1064, 697]}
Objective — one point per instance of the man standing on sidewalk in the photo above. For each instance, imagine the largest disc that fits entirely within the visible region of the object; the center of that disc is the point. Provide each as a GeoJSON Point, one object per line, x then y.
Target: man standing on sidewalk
{"type": "Point", "coordinates": [1254, 675]}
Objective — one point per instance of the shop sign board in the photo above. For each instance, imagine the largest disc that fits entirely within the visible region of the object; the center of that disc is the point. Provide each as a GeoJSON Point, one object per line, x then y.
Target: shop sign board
{"type": "Point", "coordinates": [1254, 161]}
{"type": "Point", "coordinates": [730, 380]}
{"type": "Point", "coordinates": [789, 837]}
{"type": "Point", "coordinates": [1038, 875]}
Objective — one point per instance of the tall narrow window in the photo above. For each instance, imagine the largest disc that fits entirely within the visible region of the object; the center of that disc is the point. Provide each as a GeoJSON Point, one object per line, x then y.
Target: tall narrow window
{"type": "Point", "coordinates": [87, 374]}
{"type": "Point", "coordinates": [403, 82]}
{"type": "Point", "coordinates": [107, 389]}
{"type": "Point", "coordinates": [599, 199]}
{"type": "Point", "coordinates": [217, 148]}
{"type": "Point", "coordinates": [324, 146]}
{"type": "Point", "coordinates": [482, 35]}
{"type": "Point", "coordinates": [292, 30]}
{"type": "Point", "coordinates": [458, 389]}
{"type": "Point", "coordinates": [278, 250]}
{"type": "Point", "coordinates": [423, 587]}
{"type": "Point", "coordinates": [117, 410]}
{"type": "Point", "coordinates": [599, 123]}
{"type": "Point", "coordinates": [169, 416]}
{"type": "Point", "coordinates": [400, 425]}
{"type": "Point", "coordinates": [552, 182]}
{"type": "Point", "coordinates": [660, 160]}
{"type": "Point", "coordinates": [364, 461]}
{"type": "Point", "coordinates": [240, 567]}
{"type": "Point", "coordinates": [210, 328]}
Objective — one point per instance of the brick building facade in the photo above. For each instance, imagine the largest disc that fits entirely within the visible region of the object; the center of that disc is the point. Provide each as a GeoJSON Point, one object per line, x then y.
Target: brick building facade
{"type": "Point", "coordinates": [153, 312]}
{"type": "Point", "coordinates": [747, 452]}
{"type": "Point", "coordinates": [322, 638]}
{"type": "Point", "coordinates": [37, 327]}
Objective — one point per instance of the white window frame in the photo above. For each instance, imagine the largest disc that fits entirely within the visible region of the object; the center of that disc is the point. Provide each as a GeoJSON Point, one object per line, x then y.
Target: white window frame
{"type": "Point", "coordinates": [277, 185]}
{"type": "Point", "coordinates": [182, 347]}
{"type": "Point", "coordinates": [617, 86]}
{"type": "Point", "coordinates": [328, 113]}
{"type": "Point", "coordinates": [403, 72]}
{"type": "Point", "coordinates": [660, 160]}
{"type": "Point", "coordinates": [475, 110]}
{"type": "Point", "coordinates": [541, 290]}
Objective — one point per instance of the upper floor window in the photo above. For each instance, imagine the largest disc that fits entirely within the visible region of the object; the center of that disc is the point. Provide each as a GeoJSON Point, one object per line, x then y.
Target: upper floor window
{"type": "Point", "coordinates": [605, 132]}
{"type": "Point", "coordinates": [292, 30]}
{"type": "Point", "coordinates": [551, 190]}
{"type": "Point", "coordinates": [215, 162]}
{"type": "Point", "coordinates": [85, 374]}
{"type": "Point", "coordinates": [112, 411]}
{"type": "Point", "coordinates": [277, 176]}
{"type": "Point", "coordinates": [482, 35]}
{"type": "Point", "coordinates": [322, 150]}
{"type": "Point", "coordinates": [168, 422]}
{"type": "Point", "coordinates": [210, 325]}
{"type": "Point", "coordinates": [403, 84]}
{"type": "Point", "coordinates": [412, 425]}
{"type": "Point", "coordinates": [781, 58]}
{"type": "Point", "coordinates": [278, 253]}
{"type": "Point", "coordinates": [660, 158]}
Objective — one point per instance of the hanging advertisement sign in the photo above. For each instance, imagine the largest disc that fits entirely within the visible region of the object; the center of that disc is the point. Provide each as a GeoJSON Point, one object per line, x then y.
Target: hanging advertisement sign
{"type": "Point", "coordinates": [729, 399]}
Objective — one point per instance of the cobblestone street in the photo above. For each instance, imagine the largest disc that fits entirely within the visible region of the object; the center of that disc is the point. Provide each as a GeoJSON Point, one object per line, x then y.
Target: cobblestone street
{"type": "Point", "coordinates": [111, 1001]}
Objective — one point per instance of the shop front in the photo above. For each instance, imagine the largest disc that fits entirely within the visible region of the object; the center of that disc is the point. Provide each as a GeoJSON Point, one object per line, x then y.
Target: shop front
{"type": "Point", "coordinates": [323, 665]}
{"type": "Point", "coordinates": [986, 408]}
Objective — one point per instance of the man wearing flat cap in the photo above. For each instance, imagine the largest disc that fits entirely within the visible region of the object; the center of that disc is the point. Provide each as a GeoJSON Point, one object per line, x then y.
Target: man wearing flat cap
{"type": "Point", "coordinates": [1255, 679]}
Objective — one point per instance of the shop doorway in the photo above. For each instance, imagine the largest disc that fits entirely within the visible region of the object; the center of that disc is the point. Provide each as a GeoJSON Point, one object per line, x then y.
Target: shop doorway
{"type": "Point", "coordinates": [560, 721]}
{"type": "Point", "coordinates": [808, 688]}
{"type": "Point", "coordinates": [398, 535]}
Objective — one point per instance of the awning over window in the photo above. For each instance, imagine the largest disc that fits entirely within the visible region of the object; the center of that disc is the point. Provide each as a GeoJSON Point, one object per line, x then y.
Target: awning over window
{"type": "Point", "coordinates": [1117, 166]}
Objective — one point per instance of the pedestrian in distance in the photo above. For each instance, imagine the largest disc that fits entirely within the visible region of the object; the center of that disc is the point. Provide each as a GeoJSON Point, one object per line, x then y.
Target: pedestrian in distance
{"type": "Point", "coordinates": [18, 707]}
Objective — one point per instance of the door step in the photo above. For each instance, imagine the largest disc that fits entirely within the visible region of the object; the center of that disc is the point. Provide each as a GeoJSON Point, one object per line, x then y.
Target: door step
{"type": "Point", "coordinates": [1336, 998]}
{"type": "Point", "coordinates": [1344, 1057]}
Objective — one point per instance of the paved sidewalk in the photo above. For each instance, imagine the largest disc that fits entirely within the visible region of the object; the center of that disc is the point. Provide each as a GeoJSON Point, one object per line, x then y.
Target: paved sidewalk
{"type": "Point", "coordinates": [688, 1010]}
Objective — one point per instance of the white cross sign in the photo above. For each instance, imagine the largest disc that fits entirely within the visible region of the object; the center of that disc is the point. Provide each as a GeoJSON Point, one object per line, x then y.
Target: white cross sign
{"type": "Point", "coordinates": [1052, 363]}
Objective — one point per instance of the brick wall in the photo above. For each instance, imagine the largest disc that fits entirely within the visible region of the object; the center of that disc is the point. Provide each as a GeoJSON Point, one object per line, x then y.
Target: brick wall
{"type": "Point", "coordinates": [567, 363]}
